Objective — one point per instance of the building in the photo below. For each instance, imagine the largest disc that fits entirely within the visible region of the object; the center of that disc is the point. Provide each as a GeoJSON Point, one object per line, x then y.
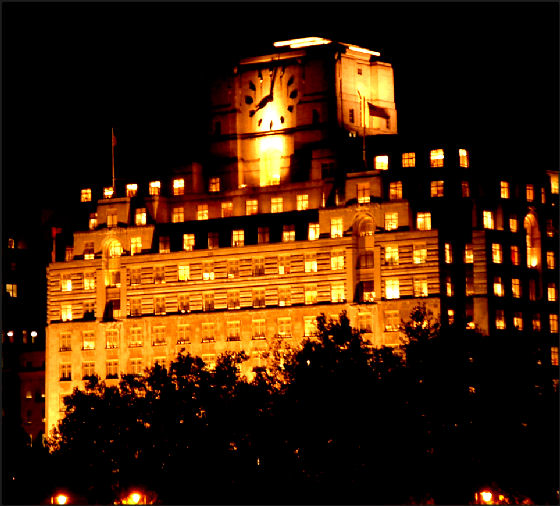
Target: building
{"type": "Point", "coordinates": [309, 203]}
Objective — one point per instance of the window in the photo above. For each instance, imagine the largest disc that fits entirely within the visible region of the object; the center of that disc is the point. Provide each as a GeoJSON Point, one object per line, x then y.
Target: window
{"type": "Point", "coordinates": [518, 321]}
{"type": "Point", "coordinates": [86, 195]}
{"type": "Point", "coordinates": [207, 271]}
{"type": "Point", "coordinates": [135, 276]}
{"type": "Point", "coordinates": [284, 296]}
{"type": "Point", "coordinates": [159, 274]}
{"type": "Point", "coordinates": [336, 227]}
{"type": "Point", "coordinates": [554, 184]}
{"type": "Point", "coordinates": [449, 291]}
{"type": "Point", "coordinates": [516, 288]}
{"type": "Point", "coordinates": [365, 260]}
{"type": "Point", "coordinates": [392, 289]}
{"type": "Point", "coordinates": [208, 301]}
{"type": "Point", "coordinates": [552, 295]}
{"type": "Point", "coordinates": [214, 185]}
{"type": "Point", "coordinates": [135, 366]}
{"type": "Point", "coordinates": [201, 212]}
{"type": "Point", "coordinates": [188, 242]}
{"type": "Point", "coordinates": [364, 322]}
{"type": "Point", "coordinates": [108, 192]}
{"type": "Point", "coordinates": [233, 331]}
{"type": "Point", "coordinates": [284, 264]}
{"type": "Point", "coordinates": [238, 238]}
{"type": "Point", "coordinates": [504, 190]}
{"type": "Point", "coordinates": [112, 219]}
{"type": "Point", "coordinates": [421, 287]}
{"type": "Point", "coordinates": [448, 253]}
{"type": "Point", "coordinates": [543, 195]}
{"type": "Point", "coordinates": [424, 221]}
{"type": "Point", "coordinates": [310, 262]}
{"type": "Point", "coordinates": [465, 189]}
{"type": "Point", "coordinates": [450, 316]}
{"type": "Point", "coordinates": [391, 221]}
{"type": "Point", "coordinates": [183, 303]}
{"type": "Point", "coordinates": [469, 284]}
{"type": "Point", "coordinates": [395, 190]}
{"type": "Point", "coordinates": [532, 290]}
{"type": "Point", "coordinates": [498, 286]}
{"type": "Point", "coordinates": [131, 190]}
{"type": "Point", "coordinates": [178, 186]}
{"type": "Point", "coordinates": [514, 255]}
{"type": "Point", "coordinates": [363, 193]}
{"type": "Point", "coordinates": [154, 187]}
{"type": "Point", "coordinates": [258, 266]}
{"type": "Point", "coordinates": [553, 322]}
{"type": "Point", "coordinates": [550, 228]}
{"type": "Point", "coordinates": [227, 209]}
{"type": "Point", "coordinates": [263, 235]}
{"type": "Point", "coordinates": [259, 329]}
{"type": "Point", "coordinates": [337, 260]}
{"type": "Point", "coordinates": [232, 269]}
{"type": "Point", "coordinates": [233, 299]}
{"type": "Point", "coordinates": [66, 311]}
{"type": "Point", "coordinates": [183, 333]}
{"type": "Point", "coordinates": [259, 297]}
{"type": "Point", "coordinates": [409, 159]}
{"type": "Point", "coordinates": [550, 260]}
{"type": "Point", "coordinates": [183, 273]}
{"type": "Point", "coordinates": [351, 115]}
{"type": "Point", "coordinates": [310, 294]}
{"type": "Point", "coordinates": [88, 340]}
{"type": "Point", "coordinates": [159, 305]}
{"type": "Point", "coordinates": [337, 292]}
{"type": "Point", "coordinates": [89, 281]}
{"type": "Point", "coordinates": [276, 205]}
{"type": "Point", "coordinates": [135, 337]}
{"type": "Point", "coordinates": [285, 327]}
{"type": "Point", "coordinates": [313, 233]}
{"type": "Point", "coordinates": [158, 335]}
{"type": "Point", "coordinates": [381, 162]}
{"type": "Point", "coordinates": [65, 341]}
{"type": "Point", "coordinates": [178, 215]}
{"type": "Point", "coordinates": [536, 322]}
{"type": "Point", "coordinates": [500, 319]}
{"type": "Point", "coordinates": [368, 293]}
{"type": "Point", "coordinates": [488, 219]}
{"type": "Point", "coordinates": [463, 158]}
{"type": "Point", "coordinates": [392, 320]}
{"type": "Point", "coordinates": [302, 202]}
{"type": "Point", "coordinates": [419, 253]}
{"type": "Point", "coordinates": [92, 221]}
{"type": "Point", "coordinates": [533, 240]}
{"type": "Point", "coordinates": [469, 255]}
{"type": "Point", "coordinates": [530, 192]}
{"type": "Point", "coordinates": [497, 256]}
{"type": "Point", "coordinates": [136, 307]}
{"type": "Point", "coordinates": [65, 372]}
{"type": "Point", "coordinates": [513, 224]}
{"type": "Point", "coordinates": [140, 217]}
{"type": "Point", "coordinates": [66, 281]}
{"type": "Point", "coordinates": [135, 245]}
{"type": "Point", "coordinates": [392, 255]}
{"type": "Point", "coordinates": [112, 369]}
{"type": "Point", "coordinates": [288, 233]}
{"type": "Point", "coordinates": [309, 326]}
{"type": "Point", "coordinates": [436, 189]}
{"type": "Point", "coordinates": [436, 158]}
{"type": "Point", "coordinates": [69, 254]}
{"type": "Point", "coordinates": [251, 207]}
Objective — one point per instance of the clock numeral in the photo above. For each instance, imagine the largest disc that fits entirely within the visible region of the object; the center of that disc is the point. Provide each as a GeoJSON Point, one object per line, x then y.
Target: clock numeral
{"type": "Point", "coordinates": [248, 100]}
{"type": "Point", "coordinates": [293, 94]}
{"type": "Point", "coordinates": [252, 86]}
{"type": "Point", "coordinates": [291, 81]}
{"type": "Point", "coordinates": [291, 108]}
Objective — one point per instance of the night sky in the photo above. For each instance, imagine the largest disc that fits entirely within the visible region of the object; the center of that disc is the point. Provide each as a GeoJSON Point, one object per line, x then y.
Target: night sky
{"type": "Point", "coordinates": [477, 72]}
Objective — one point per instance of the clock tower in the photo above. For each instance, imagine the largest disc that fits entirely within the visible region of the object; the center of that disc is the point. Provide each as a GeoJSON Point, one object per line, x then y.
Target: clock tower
{"type": "Point", "coordinates": [274, 111]}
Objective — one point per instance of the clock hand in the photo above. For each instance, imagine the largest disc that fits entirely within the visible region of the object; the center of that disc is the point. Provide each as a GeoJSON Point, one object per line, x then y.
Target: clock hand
{"type": "Point", "coordinates": [269, 98]}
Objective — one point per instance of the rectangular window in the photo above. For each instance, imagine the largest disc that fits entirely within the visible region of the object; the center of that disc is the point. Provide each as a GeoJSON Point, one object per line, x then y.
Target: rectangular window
{"type": "Point", "coordinates": [178, 186]}
{"type": "Point", "coordinates": [164, 244]}
{"type": "Point", "coordinates": [498, 286]}
{"type": "Point", "coordinates": [336, 227]}
{"type": "Point", "coordinates": [85, 195]}
{"type": "Point", "coordinates": [364, 322]}
{"type": "Point", "coordinates": [504, 190]}
{"type": "Point", "coordinates": [135, 245]}
{"type": "Point", "coordinates": [309, 326]}
{"type": "Point", "coordinates": [424, 221]}
{"type": "Point", "coordinates": [488, 220]}
{"type": "Point", "coordinates": [112, 338]}
{"type": "Point", "coordinates": [135, 366]}
{"type": "Point", "coordinates": [285, 327]}
{"type": "Point", "coordinates": [66, 282]}
{"type": "Point", "coordinates": [392, 320]}
{"type": "Point", "coordinates": [409, 159]}
{"type": "Point", "coordinates": [469, 254]}
{"type": "Point", "coordinates": [259, 297]}
{"type": "Point", "coordinates": [368, 293]}
{"type": "Point", "coordinates": [392, 289]}
{"type": "Point", "coordinates": [159, 305]}
{"type": "Point", "coordinates": [391, 221]}
{"type": "Point", "coordinates": [207, 271]}
{"type": "Point", "coordinates": [89, 251]}
{"type": "Point", "coordinates": [532, 290]}
{"type": "Point", "coordinates": [112, 369]}
{"type": "Point", "coordinates": [469, 284]}
{"type": "Point", "coordinates": [188, 242]}
{"type": "Point", "coordinates": [154, 187]}
{"type": "Point", "coordinates": [550, 229]}
{"type": "Point", "coordinates": [513, 224]}
{"type": "Point", "coordinates": [136, 307]}
{"type": "Point", "coordinates": [284, 264]}
{"type": "Point", "coordinates": [449, 291]}
{"type": "Point", "coordinates": [514, 255]}
{"type": "Point", "coordinates": [363, 193]}
{"type": "Point", "coordinates": [259, 329]}
{"type": "Point", "coordinates": [65, 341]}
{"type": "Point", "coordinates": [135, 276]}
{"type": "Point", "coordinates": [436, 189]}
{"type": "Point", "coordinates": [233, 330]}
{"type": "Point", "coordinates": [238, 238]}
{"type": "Point", "coordinates": [183, 303]}
{"type": "Point", "coordinates": [251, 207]}
{"type": "Point", "coordinates": [276, 205]}
{"type": "Point", "coordinates": [395, 190]}
{"type": "Point", "coordinates": [351, 115]}
{"type": "Point", "coordinates": [69, 254]}
{"type": "Point", "coordinates": [258, 266]}
{"type": "Point", "coordinates": [313, 232]}
{"type": "Point", "coordinates": [208, 301]}
{"type": "Point", "coordinates": [497, 256]}
{"type": "Point", "coordinates": [381, 162]}
{"type": "Point", "coordinates": [227, 209]}
{"type": "Point", "coordinates": [536, 322]}
{"type": "Point", "coordinates": [530, 193]}
{"type": "Point", "coordinates": [201, 212]}
{"type": "Point", "coordinates": [337, 292]}
{"type": "Point", "coordinates": [550, 260]}
{"type": "Point", "coordinates": [500, 319]}
{"type": "Point", "coordinates": [233, 299]}
{"type": "Point", "coordinates": [135, 337]}
{"type": "Point", "coordinates": [159, 274]}
{"type": "Point", "coordinates": [551, 292]}
{"type": "Point", "coordinates": [108, 192]}
{"type": "Point", "coordinates": [214, 185]}
{"type": "Point", "coordinates": [516, 288]}
{"type": "Point", "coordinates": [178, 215]}
{"type": "Point", "coordinates": [419, 253]}
{"type": "Point", "coordinates": [392, 255]}
{"type": "Point", "coordinates": [463, 158]}
{"type": "Point", "coordinates": [465, 189]}
{"type": "Point", "coordinates": [183, 333]}
{"type": "Point", "coordinates": [518, 321]}
{"type": "Point", "coordinates": [436, 158]}
{"type": "Point", "coordinates": [88, 340]}
{"type": "Point", "coordinates": [65, 372]}
{"type": "Point", "coordinates": [448, 253]}
{"type": "Point", "coordinates": [66, 312]}
{"type": "Point", "coordinates": [420, 287]}
{"type": "Point", "coordinates": [89, 281]}
{"type": "Point", "coordinates": [232, 269]}
{"type": "Point", "coordinates": [554, 184]}
{"type": "Point", "coordinates": [158, 335]}
{"type": "Point", "coordinates": [284, 296]}
{"type": "Point", "coordinates": [288, 233]}
{"type": "Point", "coordinates": [310, 294]}
{"type": "Point", "coordinates": [183, 273]}
{"type": "Point", "coordinates": [131, 190]}
{"type": "Point", "coordinates": [337, 260]}
{"type": "Point", "coordinates": [140, 217]}
{"type": "Point", "coordinates": [310, 262]}
{"type": "Point", "coordinates": [302, 202]}
{"type": "Point", "coordinates": [263, 235]}
{"type": "Point", "coordinates": [553, 322]}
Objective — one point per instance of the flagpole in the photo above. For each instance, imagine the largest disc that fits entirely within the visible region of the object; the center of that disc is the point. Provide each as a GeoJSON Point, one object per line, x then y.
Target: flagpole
{"type": "Point", "coordinates": [113, 172]}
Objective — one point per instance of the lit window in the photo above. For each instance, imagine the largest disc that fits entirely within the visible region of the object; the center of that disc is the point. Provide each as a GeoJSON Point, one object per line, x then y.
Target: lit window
{"type": "Point", "coordinates": [363, 193]}
{"type": "Point", "coordinates": [364, 322]}
{"type": "Point", "coordinates": [238, 238]}
{"type": "Point", "coordinates": [449, 291]}
{"type": "Point", "coordinates": [276, 205]}
{"type": "Point", "coordinates": [533, 241]}
{"type": "Point", "coordinates": [11, 290]}
{"type": "Point", "coordinates": [131, 190]}
{"type": "Point", "coordinates": [65, 372]}
{"type": "Point", "coordinates": [208, 271]}
{"type": "Point", "coordinates": [543, 195]}
{"type": "Point", "coordinates": [188, 242]}
{"type": "Point", "coordinates": [550, 228]}
{"type": "Point", "coordinates": [86, 195]}
{"type": "Point", "coordinates": [409, 159]}
{"type": "Point", "coordinates": [227, 209]}
{"type": "Point", "coordinates": [488, 219]}
{"type": "Point", "coordinates": [302, 202]}
{"type": "Point", "coordinates": [214, 185]}
{"type": "Point", "coordinates": [284, 265]}
{"type": "Point", "coordinates": [550, 260]}
{"type": "Point", "coordinates": [251, 207]}
{"type": "Point", "coordinates": [536, 322]}
{"type": "Point", "coordinates": [232, 269]}
{"type": "Point", "coordinates": [337, 292]}
{"type": "Point", "coordinates": [259, 329]}
{"type": "Point", "coordinates": [65, 341]}
{"type": "Point", "coordinates": [159, 274]}
{"type": "Point", "coordinates": [259, 299]}
{"type": "Point", "coordinates": [136, 307]}
{"type": "Point", "coordinates": [391, 221]}
{"type": "Point", "coordinates": [392, 320]}
{"type": "Point", "coordinates": [395, 190]}
{"type": "Point", "coordinates": [420, 287]}
{"type": "Point", "coordinates": [551, 292]}
{"type": "Point", "coordinates": [158, 335]}
{"type": "Point", "coordinates": [469, 255]}
{"type": "Point", "coordinates": [178, 186]}
{"type": "Point", "coordinates": [183, 333]}
{"type": "Point", "coordinates": [154, 187]}
{"type": "Point", "coordinates": [504, 190]}
{"type": "Point", "coordinates": [513, 224]}
{"type": "Point", "coordinates": [337, 260]}
{"type": "Point", "coordinates": [285, 326]}
{"type": "Point", "coordinates": [135, 245]}
{"type": "Point", "coordinates": [135, 337]}
{"type": "Point", "coordinates": [450, 316]}
{"type": "Point", "coordinates": [289, 233]}
{"type": "Point", "coordinates": [112, 219]}
{"type": "Point", "coordinates": [69, 254]}
{"type": "Point", "coordinates": [202, 212]}
{"type": "Point", "coordinates": [284, 296]}
{"type": "Point", "coordinates": [436, 189]}
{"type": "Point", "coordinates": [92, 221]}
{"type": "Point", "coordinates": [11, 243]}
{"type": "Point", "coordinates": [498, 287]}
{"type": "Point", "coordinates": [336, 227]}
{"type": "Point", "coordinates": [514, 255]}
{"type": "Point", "coordinates": [108, 192]}
{"type": "Point", "coordinates": [424, 221]}
{"type": "Point", "coordinates": [66, 282]}
{"type": "Point", "coordinates": [112, 338]}
{"type": "Point", "coordinates": [66, 312]}
{"type": "Point", "coordinates": [184, 273]}
{"type": "Point", "coordinates": [530, 192]}
{"type": "Point", "coordinates": [183, 303]}
{"type": "Point", "coordinates": [311, 294]}
{"type": "Point", "coordinates": [518, 321]}
{"type": "Point", "coordinates": [310, 262]}
{"type": "Point", "coordinates": [208, 302]}
{"type": "Point", "coordinates": [309, 326]}
{"type": "Point", "coordinates": [178, 215]}
{"type": "Point", "coordinates": [469, 284]}
{"type": "Point", "coordinates": [497, 256]}
{"type": "Point", "coordinates": [419, 253]}
{"type": "Point", "coordinates": [135, 366]}
{"type": "Point", "coordinates": [233, 330]}
{"type": "Point", "coordinates": [381, 162]}
{"type": "Point", "coordinates": [89, 281]}
{"type": "Point", "coordinates": [436, 158]}
{"type": "Point", "coordinates": [554, 184]}
{"type": "Point", "coordinates": [392, 255]}
{"type": "Point", "coordinates": [463, 158]}
{"type": "Point", "coordinates": [140, 217]}
{"type": "Point", "coordinates": [313, 231]}
{"type": "Point", "coordinates": [448, 253]}
{"type": "Point", "coordinates": [465, 189]}
{"type": "Point", "coordinates": [392, 289]}
{"type": "Point", "coordinates": [351, 115]}
{"type": "Point", "coordinates": [553, 322]}
{"type": "Point", "coordinates": [500, 319]}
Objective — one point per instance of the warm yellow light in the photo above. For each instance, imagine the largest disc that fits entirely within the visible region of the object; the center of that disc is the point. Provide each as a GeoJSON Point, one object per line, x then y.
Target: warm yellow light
{"type": "Point", "coordinates": [362, 50]}
{"type": "Point", "coordinates": [271, 149]}
{"type": "Point", "coordinates": [486, 496]}
{"type": "Point", "coordinates": [302, 42]}
{"type": "Point", "coordinates": [108, 192]}
{"type": "Point", "coordinates": [135, 498]}
{"type": "Point", "coordinates": [61, 499]}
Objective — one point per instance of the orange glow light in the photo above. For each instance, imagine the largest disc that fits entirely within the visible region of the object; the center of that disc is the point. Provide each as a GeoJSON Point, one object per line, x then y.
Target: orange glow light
{"type": "Point", "coordinates": [303, 42]}
{"type": "Point", "coordinates": [362, 50]}
{"type": "Point", "coordinates": [61, 499]}
{"type": "Point", "coordinates": [486, 496]}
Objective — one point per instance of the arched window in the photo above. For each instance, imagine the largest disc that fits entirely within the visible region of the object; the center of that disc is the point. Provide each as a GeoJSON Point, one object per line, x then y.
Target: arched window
{"type": "Point", "coordinates": [533, 237]}
{"type": "Point", "coordinates": [366, 227]}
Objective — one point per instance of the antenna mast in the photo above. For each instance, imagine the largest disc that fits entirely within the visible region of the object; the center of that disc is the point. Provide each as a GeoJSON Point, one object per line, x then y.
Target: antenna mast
{"type": "Point", "coordinates": [114, 144]}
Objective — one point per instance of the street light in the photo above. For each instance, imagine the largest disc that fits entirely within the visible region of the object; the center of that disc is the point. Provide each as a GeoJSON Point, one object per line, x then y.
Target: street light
{"type": "Point", "coordinates": [59, 499]}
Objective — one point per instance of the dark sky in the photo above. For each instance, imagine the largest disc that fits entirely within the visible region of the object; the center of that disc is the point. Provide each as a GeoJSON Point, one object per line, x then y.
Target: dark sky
{"type": "Point", "coordinates": [480, 72]}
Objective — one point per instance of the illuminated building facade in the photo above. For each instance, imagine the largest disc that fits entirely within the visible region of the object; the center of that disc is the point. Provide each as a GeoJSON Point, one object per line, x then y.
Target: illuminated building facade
{"type": "Point", "coordinates": [308, 205]}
